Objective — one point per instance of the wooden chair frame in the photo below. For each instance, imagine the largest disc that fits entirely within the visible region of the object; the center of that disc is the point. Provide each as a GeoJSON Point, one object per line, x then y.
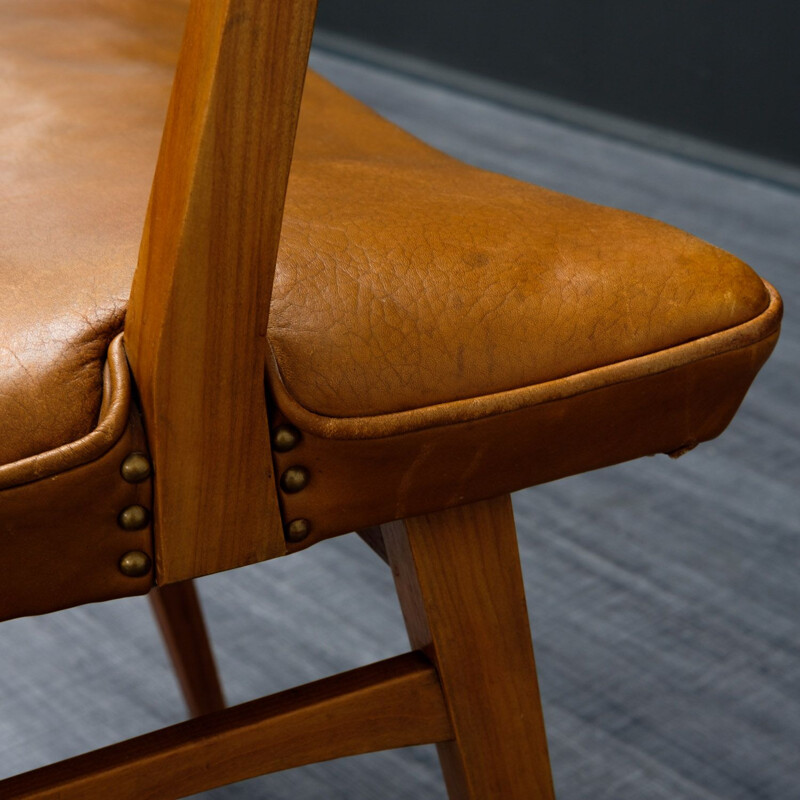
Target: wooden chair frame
{"type": "Point", "coordinates": [196, 340]}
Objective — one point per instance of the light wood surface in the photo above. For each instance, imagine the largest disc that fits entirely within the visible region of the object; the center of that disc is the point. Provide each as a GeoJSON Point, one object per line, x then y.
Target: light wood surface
{"type": "Point", "coordinates": [394, 703]}
{"type": "Point", "coordinates": [177, 610]}
{"type": "Point", "coordinates": [459, 582]}
{"type": "Point", "coordinates": [196, 326]}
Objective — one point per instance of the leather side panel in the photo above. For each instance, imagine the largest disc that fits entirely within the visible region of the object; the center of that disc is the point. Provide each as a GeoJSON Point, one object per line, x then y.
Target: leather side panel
{"type": "Point", "coordinates": [60, 542]}
{"type": "Point", "coordinates": [357, 483]}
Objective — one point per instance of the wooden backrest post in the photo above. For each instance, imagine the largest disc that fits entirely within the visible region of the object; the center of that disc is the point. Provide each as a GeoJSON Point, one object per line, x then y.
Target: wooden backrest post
{"type": "Point", "coordinates": [196, 327]}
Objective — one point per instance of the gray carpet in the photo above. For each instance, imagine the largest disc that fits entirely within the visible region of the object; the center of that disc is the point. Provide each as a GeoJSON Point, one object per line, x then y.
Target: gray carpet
{"type": "Point", "coordinates": [664, 595]}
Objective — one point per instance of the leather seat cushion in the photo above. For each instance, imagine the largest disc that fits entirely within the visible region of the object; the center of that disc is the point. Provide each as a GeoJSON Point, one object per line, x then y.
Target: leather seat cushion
{"type": "Point", "coordinates": [83, 93]}
{"type": "Point", "coordinates": [406, 282]}
{"type": "Point", "coordinates": [408, 279]}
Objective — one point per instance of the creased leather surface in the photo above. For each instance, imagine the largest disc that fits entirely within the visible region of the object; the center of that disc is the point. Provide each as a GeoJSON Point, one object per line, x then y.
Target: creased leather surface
{"type": "Point", "coordinates": [461, 410]}
{"type": "Point", "coordinates": [408, 279]}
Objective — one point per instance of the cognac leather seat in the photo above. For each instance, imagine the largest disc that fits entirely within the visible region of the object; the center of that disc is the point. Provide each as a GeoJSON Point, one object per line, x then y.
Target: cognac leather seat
{"type": "Point", "coordinates": [438, 334]}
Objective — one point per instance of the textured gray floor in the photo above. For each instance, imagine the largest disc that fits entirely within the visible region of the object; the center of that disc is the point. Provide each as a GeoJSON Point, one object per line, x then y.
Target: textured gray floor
{"type": "Point", "coordinates": [664, 595]}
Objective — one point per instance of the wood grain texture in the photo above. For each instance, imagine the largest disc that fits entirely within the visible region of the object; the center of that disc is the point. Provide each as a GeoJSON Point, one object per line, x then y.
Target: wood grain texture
{"type": "Point", "coordinates": [459, 582]}
{"type": "Point", "coordinates": [196, 325]}
{"type": "Point", "coordinates": [177, 610]}
{"type": "Point", "coordinates": [394, 703]}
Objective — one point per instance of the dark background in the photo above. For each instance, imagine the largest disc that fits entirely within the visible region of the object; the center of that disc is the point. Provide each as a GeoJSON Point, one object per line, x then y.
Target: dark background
{"type": "Point", "coordinates": [726, 71]}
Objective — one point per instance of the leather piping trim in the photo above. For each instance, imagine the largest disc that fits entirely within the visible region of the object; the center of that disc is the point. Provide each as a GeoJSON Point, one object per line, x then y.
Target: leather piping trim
{"type": "Point", "coordinates": [114, 413]}
{"type": "Point", "coordinates": [396, 423]}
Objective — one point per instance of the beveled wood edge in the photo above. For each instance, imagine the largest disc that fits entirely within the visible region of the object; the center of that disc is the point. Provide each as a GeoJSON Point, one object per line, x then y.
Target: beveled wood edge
{"type": "Point", "coordinates": [393, 703]}
{"type": "Point", "coordinates": [373, 537]}
{"type": "Point", "coordinates": [113, 419]}
{"type": "Point", "coordinates": [757, 329]}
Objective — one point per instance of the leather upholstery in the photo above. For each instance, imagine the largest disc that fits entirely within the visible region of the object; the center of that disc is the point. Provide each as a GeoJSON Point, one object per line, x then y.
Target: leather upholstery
{"type": "Point", "coordinates": [596, 420]}
{"type": "Point", "coordinates": [438, 334]}
{"type": "Point", "coordinates": [83, 93]}
{"type": "Point", "coordinates": [60, 542]}
{"type": "Point", "coordinates": [441, 335]}
{"type": "Point", "coordinates": [409, 279]}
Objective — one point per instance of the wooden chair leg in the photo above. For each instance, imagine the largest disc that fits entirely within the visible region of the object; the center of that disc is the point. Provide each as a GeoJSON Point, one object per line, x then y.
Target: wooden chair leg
{"type": "Point", "coordinates": [459, 581]}
{"type": "Point", "coordinates": [180, 618]}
